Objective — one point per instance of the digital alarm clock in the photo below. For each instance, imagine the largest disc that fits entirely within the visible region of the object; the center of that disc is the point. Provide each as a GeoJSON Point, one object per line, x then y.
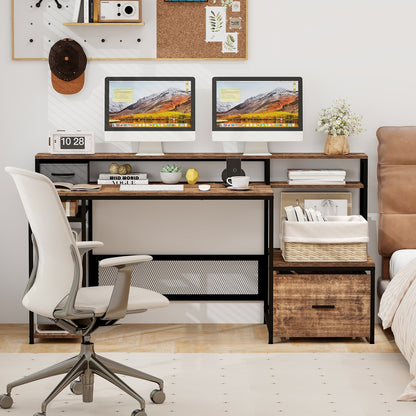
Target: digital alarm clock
{"type": "Point", "coordinates": [64, 142]}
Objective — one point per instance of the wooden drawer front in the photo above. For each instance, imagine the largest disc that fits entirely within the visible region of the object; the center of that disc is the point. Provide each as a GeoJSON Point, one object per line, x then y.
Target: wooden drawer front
{"type": "Point", "coordinates": [322, 305]}
{"type": "Point", "coordinates": [65, 172]}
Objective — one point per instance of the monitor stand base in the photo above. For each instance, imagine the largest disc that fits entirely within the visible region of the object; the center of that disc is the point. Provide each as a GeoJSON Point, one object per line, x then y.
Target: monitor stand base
{"type": "Point", "coordinates": [256, 149]}
{"type": "Point", "coordinates": [150, 149]}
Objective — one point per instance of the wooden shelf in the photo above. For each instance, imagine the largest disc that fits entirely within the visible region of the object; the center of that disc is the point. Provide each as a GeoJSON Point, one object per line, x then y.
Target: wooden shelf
{"type": "Point", "coordinates": [104, 24]}
{"type": "Point", "coordinates": [133, 156]}
{"type": "Point", "coordinates": [316, 156]}
{"type": "Point", "coordinates": [284, 184]}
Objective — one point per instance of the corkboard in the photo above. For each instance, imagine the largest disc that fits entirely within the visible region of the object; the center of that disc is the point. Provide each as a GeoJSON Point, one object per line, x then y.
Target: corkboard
{"type": "Point", "coordinates": [181, 31]}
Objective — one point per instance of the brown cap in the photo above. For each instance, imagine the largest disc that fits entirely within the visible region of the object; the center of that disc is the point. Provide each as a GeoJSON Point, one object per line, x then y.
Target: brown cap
{"type": "Point", "coordinates": [67, 62]}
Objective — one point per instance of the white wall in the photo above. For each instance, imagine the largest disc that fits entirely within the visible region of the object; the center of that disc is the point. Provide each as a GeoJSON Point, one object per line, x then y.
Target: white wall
{"type": "Point", "coordinates": [359, 49]}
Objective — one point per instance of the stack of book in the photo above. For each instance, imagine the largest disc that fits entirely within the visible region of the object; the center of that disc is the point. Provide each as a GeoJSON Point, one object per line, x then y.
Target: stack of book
{"type": "Point", "coordinates": [128, 179]}
{"type": "Point", "coordinates": [316, 176]}
{"type": "Point", "coordinates": [85, 11]}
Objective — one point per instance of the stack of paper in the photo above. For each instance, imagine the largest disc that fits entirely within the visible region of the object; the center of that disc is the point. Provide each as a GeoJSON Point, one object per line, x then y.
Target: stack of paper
{"type": "Point", "coordinates": [316, 176]}
{"type": "Point", "coordinates": [296, 214]}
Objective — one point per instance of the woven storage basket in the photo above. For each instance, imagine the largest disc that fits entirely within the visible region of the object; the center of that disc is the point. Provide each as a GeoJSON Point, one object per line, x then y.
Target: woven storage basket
{"type": "Point", "coordinates": [327, 252]}
{"type": "Point", "coordinates": [341, 239]}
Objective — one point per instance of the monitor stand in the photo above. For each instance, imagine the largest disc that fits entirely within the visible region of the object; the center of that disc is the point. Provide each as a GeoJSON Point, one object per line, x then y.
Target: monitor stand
{"type": "Point", "coordinates": [256, 149]}
{"type": "Point", "coordinates": [150, 149]}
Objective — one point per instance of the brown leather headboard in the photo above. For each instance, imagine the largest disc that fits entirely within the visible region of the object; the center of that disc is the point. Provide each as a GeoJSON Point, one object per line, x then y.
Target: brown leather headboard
{"type": "Point", "coordinates": [396, 172]}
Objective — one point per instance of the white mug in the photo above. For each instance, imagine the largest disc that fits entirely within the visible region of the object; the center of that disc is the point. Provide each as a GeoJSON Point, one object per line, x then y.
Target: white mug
{"type": "Point", "coordinates": [238, 181]}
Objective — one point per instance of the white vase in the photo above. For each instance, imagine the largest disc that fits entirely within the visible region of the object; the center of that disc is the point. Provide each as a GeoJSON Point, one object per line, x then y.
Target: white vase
{"type": "Point", "coordinates": [170, 177]}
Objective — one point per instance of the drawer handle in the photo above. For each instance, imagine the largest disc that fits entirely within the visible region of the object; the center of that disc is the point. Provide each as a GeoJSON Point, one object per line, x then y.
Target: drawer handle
{"type": "Point", "coordinates": [323, 306]}
{"type": "Point", "coordinates": [63, 174]}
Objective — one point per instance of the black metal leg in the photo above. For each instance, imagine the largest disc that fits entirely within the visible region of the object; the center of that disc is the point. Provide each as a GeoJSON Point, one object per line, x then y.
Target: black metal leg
{"type": "Point", "coordinates": [31, 328]}
{"type": "Point", "coordinates": [270, 271]}
{"type": "Point", "coordinates": [31, 316]}
{"type": "Point", "coordinates": [363, 190]}
{"type": "Point", "coordinates": [372, 306]}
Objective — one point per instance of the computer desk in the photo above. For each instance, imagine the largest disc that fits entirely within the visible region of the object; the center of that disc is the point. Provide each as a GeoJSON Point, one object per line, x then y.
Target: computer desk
{"type": "Point", "coordinates": [258, 191]}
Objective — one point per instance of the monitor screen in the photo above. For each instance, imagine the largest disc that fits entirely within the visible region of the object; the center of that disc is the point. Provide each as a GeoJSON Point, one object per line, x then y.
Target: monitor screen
{"type": "Point", "coordinates": [149, 104]}
{"type": "Point", "coordinates": [257, 104]}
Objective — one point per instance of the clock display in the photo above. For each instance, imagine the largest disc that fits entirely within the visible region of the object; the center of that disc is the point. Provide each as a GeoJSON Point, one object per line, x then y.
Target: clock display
{"type": "Point", "coordinates": [72, 142]}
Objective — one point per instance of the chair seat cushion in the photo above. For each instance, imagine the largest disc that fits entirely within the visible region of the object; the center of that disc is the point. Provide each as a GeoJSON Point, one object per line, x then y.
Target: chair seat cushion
{"type": "Point", "coordinates": [97, 299]}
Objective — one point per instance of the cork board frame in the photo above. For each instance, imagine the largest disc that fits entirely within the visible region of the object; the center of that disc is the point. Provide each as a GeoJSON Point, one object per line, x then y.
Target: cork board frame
{"type": "Point", "coordinates": [182, 30]}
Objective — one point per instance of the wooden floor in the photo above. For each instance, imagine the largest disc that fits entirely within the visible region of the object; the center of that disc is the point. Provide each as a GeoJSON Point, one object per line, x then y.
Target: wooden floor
{"type": "Point", "coordinates": [191, 338]}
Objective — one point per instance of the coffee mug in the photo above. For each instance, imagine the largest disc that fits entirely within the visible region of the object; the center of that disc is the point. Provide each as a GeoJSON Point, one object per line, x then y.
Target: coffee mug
{"type": "Point", "coordinates": [238, 181]}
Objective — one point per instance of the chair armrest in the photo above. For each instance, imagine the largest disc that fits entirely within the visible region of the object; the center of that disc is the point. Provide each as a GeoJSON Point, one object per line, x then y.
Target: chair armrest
{"type": "Point", "coordinates": [117, 306]}
{"type": "Point", "coordinates": [84, 246]}
{"type": "Point", "coordinates": [124, 261]}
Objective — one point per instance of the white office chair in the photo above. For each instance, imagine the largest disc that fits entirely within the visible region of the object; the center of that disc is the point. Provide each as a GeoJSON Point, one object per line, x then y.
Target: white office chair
{"type": "Point", "coordinates": [54, 291]}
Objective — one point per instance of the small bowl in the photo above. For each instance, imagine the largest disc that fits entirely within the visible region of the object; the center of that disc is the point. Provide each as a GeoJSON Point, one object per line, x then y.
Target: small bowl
{"type": "Point", "coordinates": [204, 187]}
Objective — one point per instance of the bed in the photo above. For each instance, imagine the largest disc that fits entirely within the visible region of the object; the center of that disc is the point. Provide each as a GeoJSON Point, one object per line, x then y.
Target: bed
{"type": "Point", "coordinates": [396, 172]}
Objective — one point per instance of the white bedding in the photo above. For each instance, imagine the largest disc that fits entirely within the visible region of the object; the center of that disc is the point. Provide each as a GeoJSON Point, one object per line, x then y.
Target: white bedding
{"type": "Point", "coordinates": [398, 311]}
{"type": "Point", "coordinates": [400, 259]}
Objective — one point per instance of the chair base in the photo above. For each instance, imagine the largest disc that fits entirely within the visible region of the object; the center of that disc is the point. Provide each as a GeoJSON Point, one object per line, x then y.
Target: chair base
{"type": "Point", "coordinates": [83, 367]}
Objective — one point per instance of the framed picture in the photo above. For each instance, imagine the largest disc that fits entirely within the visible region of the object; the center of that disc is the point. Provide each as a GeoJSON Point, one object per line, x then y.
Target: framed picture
{"type": "Point", "coordinates": [328, 203]}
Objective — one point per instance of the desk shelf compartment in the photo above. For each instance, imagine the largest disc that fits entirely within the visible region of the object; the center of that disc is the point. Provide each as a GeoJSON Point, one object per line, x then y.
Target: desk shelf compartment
{"type": "Point", "coordinates": [196, 277]}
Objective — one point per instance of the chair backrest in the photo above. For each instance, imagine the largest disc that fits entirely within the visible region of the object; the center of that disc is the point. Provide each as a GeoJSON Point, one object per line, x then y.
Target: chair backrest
{"type": "Point", "coordinates": [56, 266]}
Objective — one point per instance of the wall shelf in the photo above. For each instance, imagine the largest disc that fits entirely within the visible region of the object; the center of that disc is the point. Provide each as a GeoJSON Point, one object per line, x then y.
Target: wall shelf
{"type": "Point", "coordinates": [283, 184]}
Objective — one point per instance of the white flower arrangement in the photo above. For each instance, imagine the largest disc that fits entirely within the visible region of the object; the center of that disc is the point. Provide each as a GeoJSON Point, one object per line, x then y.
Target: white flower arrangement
{"type": "Point", "coordinates": [339, 120]}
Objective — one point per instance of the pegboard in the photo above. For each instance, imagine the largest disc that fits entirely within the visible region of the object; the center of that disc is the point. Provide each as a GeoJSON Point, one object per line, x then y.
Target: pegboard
{"type": "Point", "coordinates": [36, 29]}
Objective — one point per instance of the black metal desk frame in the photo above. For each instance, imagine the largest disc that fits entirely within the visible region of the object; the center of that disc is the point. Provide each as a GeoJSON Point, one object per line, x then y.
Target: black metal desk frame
{"type": "Point", "coordinates": [265, 261]}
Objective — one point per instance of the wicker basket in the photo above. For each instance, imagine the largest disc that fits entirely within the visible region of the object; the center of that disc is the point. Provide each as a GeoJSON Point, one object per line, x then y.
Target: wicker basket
{"type": "Point", "coordinates": [326, 252]}
{"type": "Point", "coordinates": [341, 239]}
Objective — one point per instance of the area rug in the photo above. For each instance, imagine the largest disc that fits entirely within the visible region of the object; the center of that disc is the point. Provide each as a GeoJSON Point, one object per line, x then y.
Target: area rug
{"type": "Point", "coordinates": [289, 384]}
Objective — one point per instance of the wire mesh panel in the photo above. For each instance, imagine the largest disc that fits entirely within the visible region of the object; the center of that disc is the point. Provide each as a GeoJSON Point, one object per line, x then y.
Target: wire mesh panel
{"type": "Point", "coordinates": [192, 277]}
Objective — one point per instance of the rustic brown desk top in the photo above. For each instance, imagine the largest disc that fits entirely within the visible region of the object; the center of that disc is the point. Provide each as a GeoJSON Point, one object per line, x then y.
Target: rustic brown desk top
{"type": "Point", "coordinates": [201, 156]}
{"type": "Point", "coordinates": [258, 190]}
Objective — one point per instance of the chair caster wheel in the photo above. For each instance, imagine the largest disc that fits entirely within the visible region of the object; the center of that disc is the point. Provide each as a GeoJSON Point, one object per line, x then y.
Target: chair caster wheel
{"type": "Point", "coordinates": [6, 401]}
{"type": "Point", "coordinates": [76, 387]}
{"type": "Point", "coordinates": [138, 412]}
{"type": "Point", "coordinates": [157, 396]}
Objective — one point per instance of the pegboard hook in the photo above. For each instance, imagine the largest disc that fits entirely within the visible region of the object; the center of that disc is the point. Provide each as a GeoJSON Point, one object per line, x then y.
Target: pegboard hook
{"type": "Point", "coordinates": [59, 5]}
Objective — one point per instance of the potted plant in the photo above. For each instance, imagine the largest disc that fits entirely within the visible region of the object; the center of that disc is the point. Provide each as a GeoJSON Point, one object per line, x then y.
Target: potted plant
{"type": "Point", "coordinates": [339, 122]}
{"type": "Point", "coordinates": [171, 173]}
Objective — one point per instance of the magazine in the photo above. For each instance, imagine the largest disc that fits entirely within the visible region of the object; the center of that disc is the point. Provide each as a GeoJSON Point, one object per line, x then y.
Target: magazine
{"type": "Point", "coordinates": [66, 186]}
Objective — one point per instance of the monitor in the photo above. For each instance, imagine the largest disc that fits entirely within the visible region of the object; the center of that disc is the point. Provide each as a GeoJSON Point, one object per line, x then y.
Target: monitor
{"type": "Point", "coordinates": [257, 110]}
{"type": "Point", "coordinates": [149, 110]}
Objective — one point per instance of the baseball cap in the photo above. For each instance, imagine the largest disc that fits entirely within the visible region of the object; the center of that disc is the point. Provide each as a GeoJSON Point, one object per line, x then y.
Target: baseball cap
{"type": "Point", "coordinates": [67, 62]}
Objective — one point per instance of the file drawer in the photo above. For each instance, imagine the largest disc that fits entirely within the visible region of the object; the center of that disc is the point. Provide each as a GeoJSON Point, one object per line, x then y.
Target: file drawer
{"type": "Point", "coordinates": [65, 172]}
{"type": "Point", "coordinates": [322, 305]}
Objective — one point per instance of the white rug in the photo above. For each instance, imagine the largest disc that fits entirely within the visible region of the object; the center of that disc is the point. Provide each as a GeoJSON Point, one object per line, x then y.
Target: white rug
{"type": "Point", "coordinates": [229, 384]}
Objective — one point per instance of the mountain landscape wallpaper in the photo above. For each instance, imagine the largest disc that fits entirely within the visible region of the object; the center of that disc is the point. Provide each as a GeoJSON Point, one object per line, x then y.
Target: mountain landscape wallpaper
{"type": "Point", "coordinates": [272, 108]}
{"type": "Point", "coordinates": [171, 106]}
